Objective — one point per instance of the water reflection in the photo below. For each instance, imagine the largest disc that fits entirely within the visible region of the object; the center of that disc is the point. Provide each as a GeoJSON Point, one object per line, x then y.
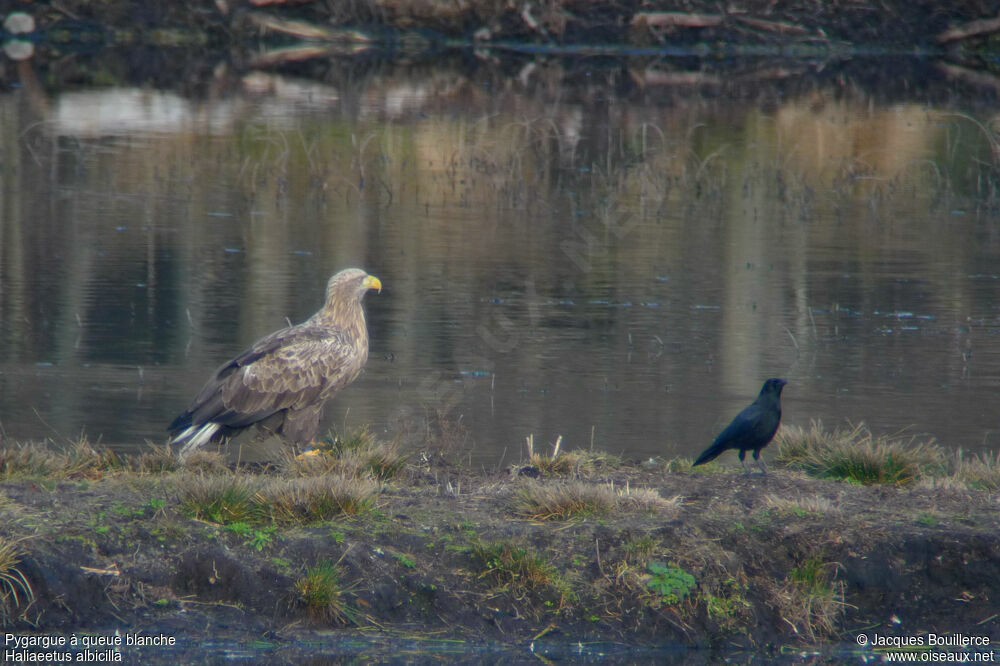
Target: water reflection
{"type": "Point", "coordinates": [621, 271]}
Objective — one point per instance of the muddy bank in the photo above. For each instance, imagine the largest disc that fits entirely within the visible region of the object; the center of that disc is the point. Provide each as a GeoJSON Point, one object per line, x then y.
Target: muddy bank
{"type": "Point", "coordinates": [716, 560]}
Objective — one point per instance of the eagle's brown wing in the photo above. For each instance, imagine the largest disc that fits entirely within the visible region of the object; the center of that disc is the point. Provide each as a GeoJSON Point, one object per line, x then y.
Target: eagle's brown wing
{"type": "Point", "coordinates": [293, 368]}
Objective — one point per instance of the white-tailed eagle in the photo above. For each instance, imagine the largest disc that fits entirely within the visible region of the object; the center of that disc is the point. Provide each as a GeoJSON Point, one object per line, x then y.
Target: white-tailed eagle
{"type": "Point", "coordinates": [284, 379]}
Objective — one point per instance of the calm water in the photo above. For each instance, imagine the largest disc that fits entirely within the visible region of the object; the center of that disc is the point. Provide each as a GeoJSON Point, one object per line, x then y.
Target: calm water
{"type": "Point", "coordinates": [621, 270]}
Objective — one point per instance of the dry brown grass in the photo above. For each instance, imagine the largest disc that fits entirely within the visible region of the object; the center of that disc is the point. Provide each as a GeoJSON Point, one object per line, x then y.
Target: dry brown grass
{"type": "Point", "coordinates": [559, 501]}
{"type": "Point", "coordinates": [539, 500]}
{"type": "Point", "coordinates": [802, 505]}
{"type": "Point", "coordinates": [206, 462]}
{"type": "Point", "coordinates": [977, 471]}
{"type": "Point", "coordinates": [80, 459]}
{"type": "Point", "coordinates": [157, 460]}
{"type": "Point", "coordinates": [578, 462]}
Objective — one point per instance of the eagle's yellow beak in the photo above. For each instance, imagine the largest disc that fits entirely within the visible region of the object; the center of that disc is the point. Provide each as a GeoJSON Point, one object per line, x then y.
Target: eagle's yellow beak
{"type": "Point", "coordinates": [373, 282]}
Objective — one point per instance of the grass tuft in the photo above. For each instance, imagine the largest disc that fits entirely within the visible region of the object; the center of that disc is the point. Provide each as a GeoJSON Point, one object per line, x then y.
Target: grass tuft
{"type": "Point", "coordinates": [223, 499]}
{"type": "Point", "coordinates": [811, 601]}
{"type": "Point", "coordinates": [565, 463]}
{"type": "Point", "coordinates": [978, 471]}
{"type": "Point", "coordinates": [14, 587]}
{"type": "Point", "coordinates": [317, 499]}
{"type": "Point", "coordinates": [253, 501]}
{"type": "Point", "coordinates": [79, 460]}
{"type": "Point", "coordinates": [206, 462]}
{"type": "Point", "coordinates": [321, 592]}
{"type": "Point", "coordinates": [539, 500]}
{"type": "Point", "coordinates": [521, 572]}
{"type": "Point", "coordinates": [359, 455]}
{"type": "Point", "coordinates": [856, 455]}
{"type": "Point", "coordinates": [649, 500]}
{"type": "Point", "coordinates": [27, 460]}
{"type": "Point", "coordinates": [559, 501]}
{"type": "Point", "coordinates": [157, 460]}
{"type": "Point", "coordinates": [802, 506]}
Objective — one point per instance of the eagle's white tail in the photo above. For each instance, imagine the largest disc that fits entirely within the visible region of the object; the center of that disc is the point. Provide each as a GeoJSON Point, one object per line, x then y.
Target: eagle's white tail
{"type": "Point", "coordinates": [194, 438]}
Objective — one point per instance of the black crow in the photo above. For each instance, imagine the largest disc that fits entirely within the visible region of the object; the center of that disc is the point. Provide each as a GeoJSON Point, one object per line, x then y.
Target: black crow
{"type": "Point", "coordinates": [753, 428]}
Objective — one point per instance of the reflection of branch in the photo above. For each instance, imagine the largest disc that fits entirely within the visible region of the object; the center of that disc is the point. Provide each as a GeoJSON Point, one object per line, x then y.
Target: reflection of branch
{"type": "Point", "coordinates": [684, 20]}
{"type": "Point", "coordinates": [297, 54]}
{"type": "Point", "coordinates": [970, 29]}
{"type": "Point", "coordinates": [772, 26]}
{"type": "Point", "coordinates": [298, 28]}
{"type": "Point", "coordinates": [653, 77]}
{"type": "Point", "coordinates": [674, 19]}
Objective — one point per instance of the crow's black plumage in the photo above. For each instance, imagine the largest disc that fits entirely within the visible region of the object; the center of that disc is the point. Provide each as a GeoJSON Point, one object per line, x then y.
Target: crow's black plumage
{"type": "Point", "coordinates": [753, 428]}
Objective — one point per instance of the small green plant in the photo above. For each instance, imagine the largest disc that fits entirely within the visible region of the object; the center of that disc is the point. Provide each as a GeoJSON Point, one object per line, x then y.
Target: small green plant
{"type": "Point", "coordinates": [96, 523]}
{"type": "Point", "coordinates": [337, 535]}
{"type": "Point", "coordinates": [927, 519]}
{"type": "Point", "coordinates": [728, 606]}
{"type": "Point", "coordinates": [671, 583]}
{"type": "Point", "coordinates": [321, 592]}
{"type": "Point", "coordinates": [281, 563]}
{"type": "Point", "coordinates": [405, 560]}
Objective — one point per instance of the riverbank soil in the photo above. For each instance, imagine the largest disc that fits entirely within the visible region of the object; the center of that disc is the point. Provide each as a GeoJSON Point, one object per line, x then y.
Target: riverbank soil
{"type": "Point", "coordinates": [595, 551]}
{"type": "Point", "coordinates": [889, 24]}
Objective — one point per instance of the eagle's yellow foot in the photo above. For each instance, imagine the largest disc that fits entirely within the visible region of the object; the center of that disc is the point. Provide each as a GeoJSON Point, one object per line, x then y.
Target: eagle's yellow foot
{"type": "Point", "coordinates": [315, 449]}
{"type": "Point", "coordinates": [308, 454]}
